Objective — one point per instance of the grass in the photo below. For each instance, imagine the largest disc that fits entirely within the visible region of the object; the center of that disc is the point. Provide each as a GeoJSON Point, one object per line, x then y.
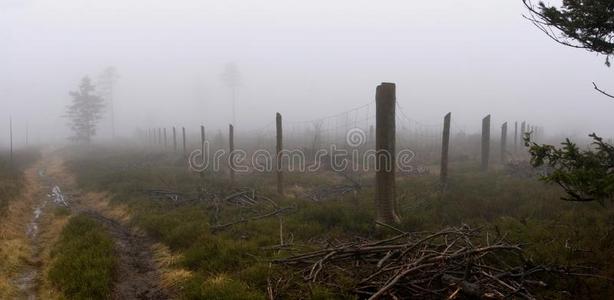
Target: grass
{"type": "Point", "coordinates": [83, 261]}
{"type": "Point", "coordinates": [11, 174]}
{"type": "Point", "coordinates": [233, 262]}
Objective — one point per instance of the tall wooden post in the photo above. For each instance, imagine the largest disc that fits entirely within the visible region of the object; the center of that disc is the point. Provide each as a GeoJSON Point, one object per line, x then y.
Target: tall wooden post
{"type": "Point", "coordinates": [165, 139]}
{"type": "Point", "coordinates": [503, 142]}
{"type": "Point", "coordinates": [231, 154]}
{"type": "Point", "coordinates": [515, 136]}
{"type": "Point", "coordinates": [445, 142]}
{"type": "Point", "coordinates": [174, 139]}
{"type": "Point", "coordinates": [185, 149]}
{"type": "Point", "coordinates": [385, 164]}
{"type": "Point", "coordinates": [485, 142]}
{"type": "Point", "coordinates": [11, 140]}
{"type": "Point", "coordinates": [523, 130]}
{"type": "Point", "coordinates": [278, 149]}
{"type": "Point", "coordinates": [371, 137]}
{"type": "Point", "coordinates": [202, 143]}
{"type": "Point", "coordinates": [159, 136]}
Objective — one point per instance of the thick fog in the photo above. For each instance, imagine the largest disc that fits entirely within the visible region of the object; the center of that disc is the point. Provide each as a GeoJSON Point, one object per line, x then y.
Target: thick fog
{"type": "Point", "coordinates": [305, 59]}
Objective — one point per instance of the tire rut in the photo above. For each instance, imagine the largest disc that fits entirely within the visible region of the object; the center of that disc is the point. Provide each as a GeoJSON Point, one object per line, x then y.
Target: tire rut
{"type": "Point", "coordinates": [137, 274]}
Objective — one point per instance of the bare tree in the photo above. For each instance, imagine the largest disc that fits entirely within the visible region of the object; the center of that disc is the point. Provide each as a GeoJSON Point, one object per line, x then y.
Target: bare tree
{"type": "Point", "coordinates": [106, 83]}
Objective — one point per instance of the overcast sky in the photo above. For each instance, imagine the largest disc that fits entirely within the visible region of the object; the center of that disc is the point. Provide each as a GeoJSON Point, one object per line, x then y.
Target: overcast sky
{"type": "Point", "coordinates": [304, 59]}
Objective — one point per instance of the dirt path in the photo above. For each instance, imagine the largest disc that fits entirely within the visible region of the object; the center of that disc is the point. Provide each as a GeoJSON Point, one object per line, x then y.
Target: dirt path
{"type": "Point", "coordinates": [29, 231]}
{"type": "Point", "coordinates": [138, 276]}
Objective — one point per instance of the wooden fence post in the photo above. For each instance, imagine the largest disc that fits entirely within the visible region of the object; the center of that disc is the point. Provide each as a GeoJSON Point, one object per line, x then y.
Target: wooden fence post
{"type": "Point", "coordinates": [202, 143]}
{"type": "Point", "coordinates": [515, 136]}
{"type": "Point", "coordinates": [503, 142]}
{"type": "Point", "coordinates": [278, 149]}
{"type": "Point", "coordinates": [485, 142]}
{"type": "Point", "coordinates": [159, 136]}
{"type": "Point", "coordinates": [185, 149]}
{"type": "Point", "coordinates": [11, 140]}
{"type": "Point", "coordinates": [165, 139]}
{"type": "Point", "coordinates": [385, 164]}
{"type": "Point", "coordinates": [445, 142]}
{"type": "Point", "coordinates": [231, 154]}
{"type": "Point", "coordinates": [523, 130]}
{"type": "Point", "coordinates": [174, 139]}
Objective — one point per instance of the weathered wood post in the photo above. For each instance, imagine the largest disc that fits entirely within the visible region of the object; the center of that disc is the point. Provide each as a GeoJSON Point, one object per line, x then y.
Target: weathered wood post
{"type": "Point", "coordinates": [515, 136]}
{"type": "Point", "coordinates": [174, 139]}
{"type": "Point", "coordinates": [231, 154]}
{"type": "Point", "coordinates": [159, 136]}
{"type": "Point", "coordinates": [371, 144]}
{"type": "Point", "coordinates": [385, 135]}
{"type": "Point", "coordinates": [503, 142]}
{"type": "Point", "coordinates": [185, 149]}
{"type": "Point", "coordinates": [165, 139]}
{"type": "Point", "coordinates": [445, 143]}
{"type": "Point", "coordinates": [278, 149]}
{"type": "Point", "coordinates": [11, 140]}
{"type": "Point", "coordinates": [485, 142]}
{"type": "Point", "coordinates": [202, 143]}
{"type": "Point", "coordinates": [523, 130]}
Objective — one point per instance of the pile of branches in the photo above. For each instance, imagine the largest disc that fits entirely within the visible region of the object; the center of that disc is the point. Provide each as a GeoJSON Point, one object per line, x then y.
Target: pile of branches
{"type": "Point", "coordinates": [248, 198]}
{"type": "Point", "coordinates": [164, 194]}
{"type": "Point", "coordinates": [331, 192]}
{"type": "Point", "coordinates": [449, 264]}
{"type": "Point", "coordinates": [416, 171]}
{"type": "Point", "coordinates": [251, 206]}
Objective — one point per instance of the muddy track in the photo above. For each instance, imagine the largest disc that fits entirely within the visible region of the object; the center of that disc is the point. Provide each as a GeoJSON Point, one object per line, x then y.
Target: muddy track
{"type": "Point", "coordinates": [137, 274]}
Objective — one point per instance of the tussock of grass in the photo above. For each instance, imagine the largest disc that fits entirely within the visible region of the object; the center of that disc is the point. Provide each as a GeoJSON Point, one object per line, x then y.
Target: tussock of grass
{"type": "Point", "coordinates": [11, 175]}
{"type": "Point", "coordinates": [83, 260]}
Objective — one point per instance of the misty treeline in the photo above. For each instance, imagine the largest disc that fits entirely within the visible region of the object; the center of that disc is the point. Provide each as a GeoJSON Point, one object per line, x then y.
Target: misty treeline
{"type": "Point", "coordinates": [92, 100]}
{"type": "Point", "coordinates": [586, 175]}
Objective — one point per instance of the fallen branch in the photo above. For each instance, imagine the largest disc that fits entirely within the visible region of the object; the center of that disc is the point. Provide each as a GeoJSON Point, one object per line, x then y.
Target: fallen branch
{"type": "Point", "coordinates": [259, 217]}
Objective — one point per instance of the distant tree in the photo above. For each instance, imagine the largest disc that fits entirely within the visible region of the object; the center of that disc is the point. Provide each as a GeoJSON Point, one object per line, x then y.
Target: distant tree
{"type": "Point", "coordinates": [106, 83]}
{"type": "Point", "coordinates": [231, 77]}
{"type": "Point", "coordinates": [84, 112]}
{"type": "Point", "coordinates": [583, 24]}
